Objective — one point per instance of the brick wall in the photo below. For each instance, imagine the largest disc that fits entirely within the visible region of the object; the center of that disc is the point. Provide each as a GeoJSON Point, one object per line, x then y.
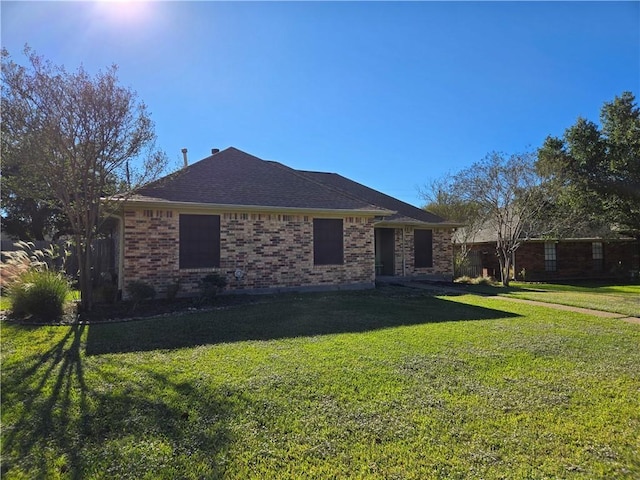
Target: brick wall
{"type": "Point", "coordinates": [267, 250]}
{"type": "Point", "coordinates": [442, 254]}
{"type": "Point", "coordinates": [574, 260]}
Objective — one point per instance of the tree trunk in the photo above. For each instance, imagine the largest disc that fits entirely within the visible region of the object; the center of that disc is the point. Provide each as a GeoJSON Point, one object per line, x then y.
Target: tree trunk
{"type": "Point", "coordinates": [505, 265]}
{"type": "Point", "coordinates": [506, 269]}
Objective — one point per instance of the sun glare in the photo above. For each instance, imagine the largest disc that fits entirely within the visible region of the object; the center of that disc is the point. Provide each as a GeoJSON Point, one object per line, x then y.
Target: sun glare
{"type": "Point", "coordinates": [123, 10]}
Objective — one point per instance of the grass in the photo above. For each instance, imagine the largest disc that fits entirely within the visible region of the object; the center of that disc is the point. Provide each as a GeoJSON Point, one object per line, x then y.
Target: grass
{"type": "Point", "coordinates": [5, 303]}
{"type": "Point", "coordinates": [391, 383]}
{"type": "Point", "coordinates": [623, 299]}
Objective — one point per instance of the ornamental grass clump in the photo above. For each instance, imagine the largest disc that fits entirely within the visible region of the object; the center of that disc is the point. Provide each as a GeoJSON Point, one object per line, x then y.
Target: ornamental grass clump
{"type": "Point", "coordinates": [27, 257]}
{"type": "Point", "coordinates": [32, 282]}
{"type": "Point", "coordinates": [39, 293]}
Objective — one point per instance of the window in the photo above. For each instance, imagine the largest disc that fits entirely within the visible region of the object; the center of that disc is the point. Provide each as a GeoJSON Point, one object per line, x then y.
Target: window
{"type": "Point", "coordinates": [423, 248]}
{"type": "Point", "coordinates": [550, 260]}
{"type": "Point", "coordinates": [328, 241]}
{"type": "Point", "coordinates": [199, 241]}
{"type": "Point", "coordinates": [598, 255]}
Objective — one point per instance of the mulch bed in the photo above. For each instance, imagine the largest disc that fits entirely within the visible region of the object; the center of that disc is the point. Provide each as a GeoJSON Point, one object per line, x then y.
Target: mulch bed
{"type": "Point", "coordinates": [127, 311]}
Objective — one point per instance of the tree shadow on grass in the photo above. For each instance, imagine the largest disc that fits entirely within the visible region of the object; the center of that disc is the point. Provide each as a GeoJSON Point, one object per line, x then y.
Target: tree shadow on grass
{"type": "Point", "coordinates": [61, 425]}
{"type": "Point", "coordinates": [287, 316]}
{"type": "Point", "coordinates": [45, 384]}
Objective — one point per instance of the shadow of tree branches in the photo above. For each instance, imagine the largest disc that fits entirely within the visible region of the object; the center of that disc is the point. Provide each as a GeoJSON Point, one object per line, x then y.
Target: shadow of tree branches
{"type": "Point", "coordinates": [70, 427]}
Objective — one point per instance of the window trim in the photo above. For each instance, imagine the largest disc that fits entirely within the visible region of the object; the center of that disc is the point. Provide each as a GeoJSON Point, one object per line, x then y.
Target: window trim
{"type": "Point", "coordinates": [550, 257]}
{"type": "Point", "coordinates": [597, 255]}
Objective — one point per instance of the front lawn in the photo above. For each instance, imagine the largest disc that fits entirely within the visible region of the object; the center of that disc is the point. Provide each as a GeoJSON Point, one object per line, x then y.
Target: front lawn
{"type": "Point", "coordinates": [623, 299]}
{"type": "Point", "coordinates": [5, 303]}
{"type": "Point", "coordinates": [392, 383]}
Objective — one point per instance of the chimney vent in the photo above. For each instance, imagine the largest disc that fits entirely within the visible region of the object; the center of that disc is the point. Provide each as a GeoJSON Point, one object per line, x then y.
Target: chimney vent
{"type": "Point", "coordinates": [184, 155]}
{"type": "Point", "coordinates": [214, 151]}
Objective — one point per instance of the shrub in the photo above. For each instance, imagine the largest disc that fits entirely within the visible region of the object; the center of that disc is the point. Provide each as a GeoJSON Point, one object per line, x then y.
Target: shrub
{"type": "Point", "coordinates": [523, 274]}
{"type": "Point", "coordinates": [476, 281]}
{"type": "Point", "coordinates": [140, 291]}
{"type": "Point", "coordinates": [39, 293]}
{"type": "Point", "coordinates": [172, 289]}
{"type": "Point", "coordinates": [211, 285]}
{"type": "Point", "coordinates": [106, 293]}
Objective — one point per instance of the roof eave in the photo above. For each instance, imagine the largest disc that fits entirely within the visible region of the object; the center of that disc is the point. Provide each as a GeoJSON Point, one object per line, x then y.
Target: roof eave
{"type": "Point", "coordinates": [222, 207]}
{"type": "Point", "coordinates": [416, 223]}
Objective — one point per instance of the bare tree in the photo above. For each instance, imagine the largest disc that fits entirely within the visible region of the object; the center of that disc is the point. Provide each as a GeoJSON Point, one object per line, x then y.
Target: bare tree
{"type": "Point", "coordinates": [507, 196]}
{"type": "Point", "coordinates": [444, 200]}
{"type": "Point", "coordinates": [82, 135]}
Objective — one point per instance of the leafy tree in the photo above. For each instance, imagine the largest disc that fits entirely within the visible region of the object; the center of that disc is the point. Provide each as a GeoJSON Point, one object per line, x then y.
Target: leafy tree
{"type": "Point", "coordinates": [596, 170]}
{"type": "Point", "coordinates": [76, 137]}
{"type": "Point", "coordinates": [501, 194]}
{"type": "Point", "coordinates": [29, 210]}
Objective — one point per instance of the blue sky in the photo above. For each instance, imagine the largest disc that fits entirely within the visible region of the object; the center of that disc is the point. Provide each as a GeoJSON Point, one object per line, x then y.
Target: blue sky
{"type": "Point", "coordinates": [390, 94]}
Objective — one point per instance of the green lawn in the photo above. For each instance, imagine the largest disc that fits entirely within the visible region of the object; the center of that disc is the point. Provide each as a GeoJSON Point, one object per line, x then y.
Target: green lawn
{"type": "Point", "coordinates": [623, 299]}
{"type": "Point", "coordinates": [391, 383]}
{"type": "Point", "coordinates": [5, 303]}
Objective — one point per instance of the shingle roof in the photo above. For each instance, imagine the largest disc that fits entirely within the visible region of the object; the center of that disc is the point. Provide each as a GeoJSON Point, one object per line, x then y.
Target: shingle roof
{"type": "Point", "coordinates": [405, 212]}
{"type": "Point", "coordinates": [233, 177]}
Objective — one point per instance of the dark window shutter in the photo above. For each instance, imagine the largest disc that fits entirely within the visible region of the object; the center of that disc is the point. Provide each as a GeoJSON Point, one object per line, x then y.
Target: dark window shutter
{"type": "Point", "coordinates": [199, 241]}
{"type": "Point", "coordinates": [328, 242]}
{"type": "Point", "coordinates": [423, 248]}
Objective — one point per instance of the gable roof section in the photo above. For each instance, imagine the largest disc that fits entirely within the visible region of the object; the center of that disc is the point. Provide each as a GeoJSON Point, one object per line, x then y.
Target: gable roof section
{"type": "Point", "coordinates": [233, 178]}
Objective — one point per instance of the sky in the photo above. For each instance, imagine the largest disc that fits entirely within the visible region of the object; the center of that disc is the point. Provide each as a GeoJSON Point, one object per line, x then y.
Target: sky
{"type": "Point", "coordinates": [390, 94]}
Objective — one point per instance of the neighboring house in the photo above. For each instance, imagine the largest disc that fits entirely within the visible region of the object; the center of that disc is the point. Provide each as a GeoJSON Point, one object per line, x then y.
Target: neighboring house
{"type": "Point", "coordinates": [561, 259]}
{"type": "Point", "coordinates": [265, 226]}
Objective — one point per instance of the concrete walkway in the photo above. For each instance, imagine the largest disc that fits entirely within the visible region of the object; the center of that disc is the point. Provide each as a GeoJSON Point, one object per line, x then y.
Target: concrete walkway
{"type": "Point", "coordinates": [447, 290]}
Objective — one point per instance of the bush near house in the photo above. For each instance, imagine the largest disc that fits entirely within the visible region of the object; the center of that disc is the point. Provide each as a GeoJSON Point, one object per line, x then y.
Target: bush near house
{"type": "Point", "coordinates": [32, 283]}
{"type": "Point", "coordinates": [41, 294]}
{"type": "Point", "coordinates": [211, 285]}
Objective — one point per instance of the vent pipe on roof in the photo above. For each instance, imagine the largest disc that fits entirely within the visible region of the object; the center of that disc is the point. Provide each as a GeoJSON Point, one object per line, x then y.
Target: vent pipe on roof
{"type": "Point", "coordinates": [214, 151]}
{"type": "Point", "coordinates": [184, 155]}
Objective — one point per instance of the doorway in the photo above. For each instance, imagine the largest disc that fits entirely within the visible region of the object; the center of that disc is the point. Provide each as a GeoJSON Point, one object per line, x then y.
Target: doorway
{"type": "Point", "coordinates": [385, 251]}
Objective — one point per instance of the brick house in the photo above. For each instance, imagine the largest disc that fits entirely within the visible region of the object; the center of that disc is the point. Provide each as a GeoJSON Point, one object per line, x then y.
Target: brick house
{"type": "Point", "coordinates": [564, 259]}
{"type": "Point", "coordinates": [268, 227]}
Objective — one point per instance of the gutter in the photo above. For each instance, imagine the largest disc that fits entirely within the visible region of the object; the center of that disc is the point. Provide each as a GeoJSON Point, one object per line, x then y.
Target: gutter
{"type": "Point", "coordinates": [221, 207]}
{"type": "Point", "coordinates": [417, 223]}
